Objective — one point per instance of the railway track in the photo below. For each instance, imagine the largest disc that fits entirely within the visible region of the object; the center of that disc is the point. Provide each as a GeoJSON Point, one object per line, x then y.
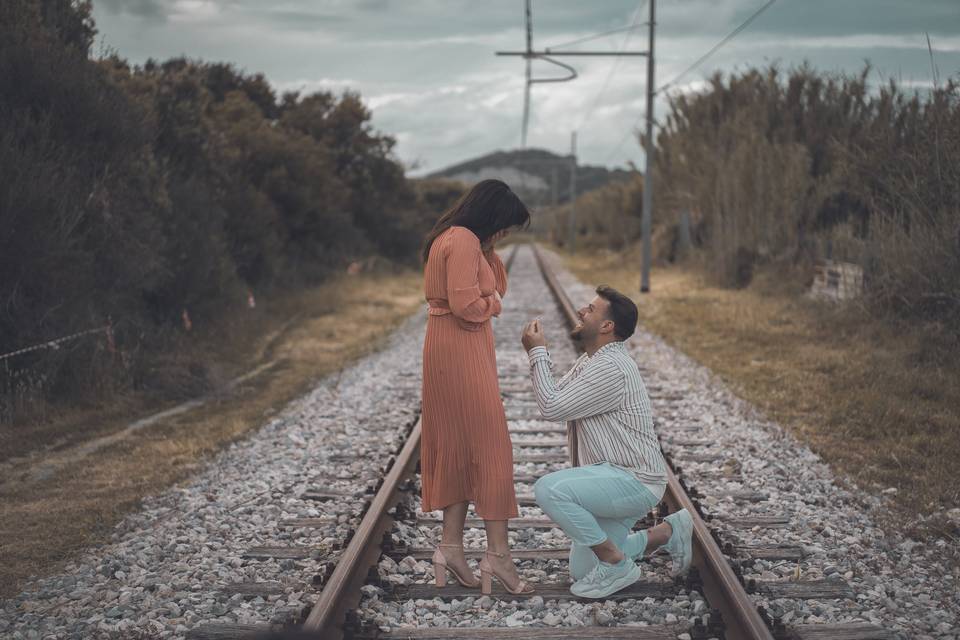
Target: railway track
{"type": "Point", "coordinates": [381, 585]}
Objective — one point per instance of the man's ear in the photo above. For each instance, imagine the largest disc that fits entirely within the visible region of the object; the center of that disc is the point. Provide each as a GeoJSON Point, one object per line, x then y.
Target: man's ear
{"type": "Point", "coordinates": [607, 326]}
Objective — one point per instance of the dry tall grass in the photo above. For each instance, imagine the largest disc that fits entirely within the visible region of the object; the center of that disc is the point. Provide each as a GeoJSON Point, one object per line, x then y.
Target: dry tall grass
{"type": "Point", "coordinates": [785, 169]}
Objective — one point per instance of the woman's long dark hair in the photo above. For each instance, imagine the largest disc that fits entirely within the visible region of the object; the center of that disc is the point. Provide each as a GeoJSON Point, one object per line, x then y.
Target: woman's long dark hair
{"type": "Point", "coordinates": [488, 207]}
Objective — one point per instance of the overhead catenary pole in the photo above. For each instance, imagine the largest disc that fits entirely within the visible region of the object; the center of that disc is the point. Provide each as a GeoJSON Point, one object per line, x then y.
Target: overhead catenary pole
{"type": "Point", "coordinates": [646, 222]}
{"type": "Point", "coordinates": [548, 55]}
{"type": "Point", "coordinates": [526, 94]}
{"type": "Point", "coordinates": [573, 190]}
{"type": "Point", "coordinates": [553, 183]}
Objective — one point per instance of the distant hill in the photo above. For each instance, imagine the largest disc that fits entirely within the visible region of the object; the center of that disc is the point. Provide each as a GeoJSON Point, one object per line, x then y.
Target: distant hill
{"type": "Point", "coordinates": [533, 173]}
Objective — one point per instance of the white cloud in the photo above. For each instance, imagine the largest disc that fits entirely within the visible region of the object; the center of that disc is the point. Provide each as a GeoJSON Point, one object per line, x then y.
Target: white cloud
{"type": "Point", "coordinates": [194, 11]}
{"type": "Point", "coordinates": [427, 68]}
{"type": "Point", "coordinates": [863, 41]}
{"type": "Point", "coordinates": [305, 87]}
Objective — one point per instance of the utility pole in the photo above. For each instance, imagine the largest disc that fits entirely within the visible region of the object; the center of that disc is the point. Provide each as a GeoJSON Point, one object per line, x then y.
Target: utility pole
{"type": "Point", "coordinates": [645, 222]}
{"type": "Point", "coordinates": [573, 191]}
{"type": "Point", "coordinates": [547, 55]}
{"type": "Point", "coordinates": [554, 187]}
{"type": "Point", "coordinates": [526, 95]}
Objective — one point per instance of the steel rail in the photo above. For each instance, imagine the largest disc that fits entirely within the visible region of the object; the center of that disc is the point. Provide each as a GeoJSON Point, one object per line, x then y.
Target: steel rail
{"type": "Point", "coordinates": [721, 586]}
{"type": "Point", "coordinates": [341, 591]}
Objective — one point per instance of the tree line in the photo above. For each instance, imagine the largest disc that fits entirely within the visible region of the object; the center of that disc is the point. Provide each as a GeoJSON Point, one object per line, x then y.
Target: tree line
{"type": "Point", "coordinates": [138, 192]}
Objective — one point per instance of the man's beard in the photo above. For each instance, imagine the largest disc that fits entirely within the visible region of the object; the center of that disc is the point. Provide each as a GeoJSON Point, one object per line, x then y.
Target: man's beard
{"type": "Point", "coordinates": [576, 334]}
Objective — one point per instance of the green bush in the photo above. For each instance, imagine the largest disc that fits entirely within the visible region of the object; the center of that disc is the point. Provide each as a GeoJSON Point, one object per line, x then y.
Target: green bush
{"type": "Point", "coordinates": [135, 193]}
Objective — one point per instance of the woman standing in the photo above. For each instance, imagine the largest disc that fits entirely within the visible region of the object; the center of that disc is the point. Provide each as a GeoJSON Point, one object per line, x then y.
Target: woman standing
{"type": "Point", "coordinates": [466, 454]}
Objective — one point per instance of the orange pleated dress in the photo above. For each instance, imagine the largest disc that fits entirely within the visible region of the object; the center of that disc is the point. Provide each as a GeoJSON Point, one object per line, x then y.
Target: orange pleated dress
{"type": "Point", "coordinates": [465, 450]}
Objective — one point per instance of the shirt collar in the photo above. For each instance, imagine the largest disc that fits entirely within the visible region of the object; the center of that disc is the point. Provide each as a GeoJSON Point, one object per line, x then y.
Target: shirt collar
{"type": "Point", "coordinates": [610, 346]}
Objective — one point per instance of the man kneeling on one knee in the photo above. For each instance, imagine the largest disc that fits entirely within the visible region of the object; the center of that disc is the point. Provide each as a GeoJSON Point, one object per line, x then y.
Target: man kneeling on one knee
{"type": "Point", "coordinates": [618, 473]}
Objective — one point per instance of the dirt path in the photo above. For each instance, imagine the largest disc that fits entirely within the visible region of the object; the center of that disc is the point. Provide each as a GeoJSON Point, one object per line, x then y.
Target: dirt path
{"type": "Point", "coordinates": [57, 501]}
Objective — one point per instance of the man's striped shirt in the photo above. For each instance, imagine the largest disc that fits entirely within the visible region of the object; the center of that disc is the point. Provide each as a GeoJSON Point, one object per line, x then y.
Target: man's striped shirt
{"type": "Point", "coordinates": [604, 401]}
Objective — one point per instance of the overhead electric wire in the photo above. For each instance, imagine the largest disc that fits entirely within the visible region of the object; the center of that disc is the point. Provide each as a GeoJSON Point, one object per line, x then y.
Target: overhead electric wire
{"type": "Point", "coordinates": [616, 62]}
{"type": "Point", "coordinates": [596, 36]}
{"type": "Point", "coordinates": [730, 36]}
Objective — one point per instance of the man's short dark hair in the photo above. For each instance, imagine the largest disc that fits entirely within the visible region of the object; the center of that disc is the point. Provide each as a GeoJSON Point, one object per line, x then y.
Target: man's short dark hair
{"type": "Point", "coordinates": [623, 311]}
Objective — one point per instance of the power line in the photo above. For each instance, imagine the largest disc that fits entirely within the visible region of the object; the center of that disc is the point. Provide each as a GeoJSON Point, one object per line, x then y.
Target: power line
{"type": "Point", "coordinates": [616, 62]}
{"type": "Point", "coordinates": [730, 36]}
{"type": "Point", "coordinates": [596, 36]}
{"type": "Point", "coordinates": [529, 55]}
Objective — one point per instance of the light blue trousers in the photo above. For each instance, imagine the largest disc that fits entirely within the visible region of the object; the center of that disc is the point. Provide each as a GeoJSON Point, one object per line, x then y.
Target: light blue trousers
{"type": "Point", "coordinates": [592, 504]}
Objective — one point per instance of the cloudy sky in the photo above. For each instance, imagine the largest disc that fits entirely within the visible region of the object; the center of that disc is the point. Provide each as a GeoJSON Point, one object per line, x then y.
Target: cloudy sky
{"type": "Point", "coordinates": [428, 71]}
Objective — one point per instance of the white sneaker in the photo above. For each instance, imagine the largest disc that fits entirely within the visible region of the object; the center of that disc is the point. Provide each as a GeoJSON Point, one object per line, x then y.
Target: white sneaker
{"type": "Point", "coordinates": [606, 579]}
{"type": "Point", "coordinates": [680, 544]}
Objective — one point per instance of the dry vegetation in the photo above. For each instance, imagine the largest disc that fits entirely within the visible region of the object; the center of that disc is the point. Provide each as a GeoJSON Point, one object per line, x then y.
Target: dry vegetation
{"type": "Point", "coordinates": [45, 522]}
{"type": "Point", "coordinates": [878, 399]}
{"type": "Point", "coordinates": [771, 169]}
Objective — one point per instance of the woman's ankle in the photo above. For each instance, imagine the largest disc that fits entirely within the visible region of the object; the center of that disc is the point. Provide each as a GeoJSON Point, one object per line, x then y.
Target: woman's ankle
{"type": "Point", "coordinates": [451, 540]}
{"type": "Point", "coordinates": [499, 554]}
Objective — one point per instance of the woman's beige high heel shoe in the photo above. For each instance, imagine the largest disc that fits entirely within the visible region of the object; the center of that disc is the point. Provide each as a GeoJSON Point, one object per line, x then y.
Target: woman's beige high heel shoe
{"type": "Point", "coordinates": [486, 578]}
{"type": "Point", "coordinates": [440, 568]}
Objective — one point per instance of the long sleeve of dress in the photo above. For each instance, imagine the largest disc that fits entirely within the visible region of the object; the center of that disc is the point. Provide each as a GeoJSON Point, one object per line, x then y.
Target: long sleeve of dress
{"type": "Point", "coordinates": [463, 284]}
{"type": "Point", "coordinates": [499, 271]}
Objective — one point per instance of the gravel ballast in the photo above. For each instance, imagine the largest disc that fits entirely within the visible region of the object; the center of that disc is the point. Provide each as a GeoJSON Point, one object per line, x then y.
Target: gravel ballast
{"type": "Point", "coordinates": [170, 567]}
